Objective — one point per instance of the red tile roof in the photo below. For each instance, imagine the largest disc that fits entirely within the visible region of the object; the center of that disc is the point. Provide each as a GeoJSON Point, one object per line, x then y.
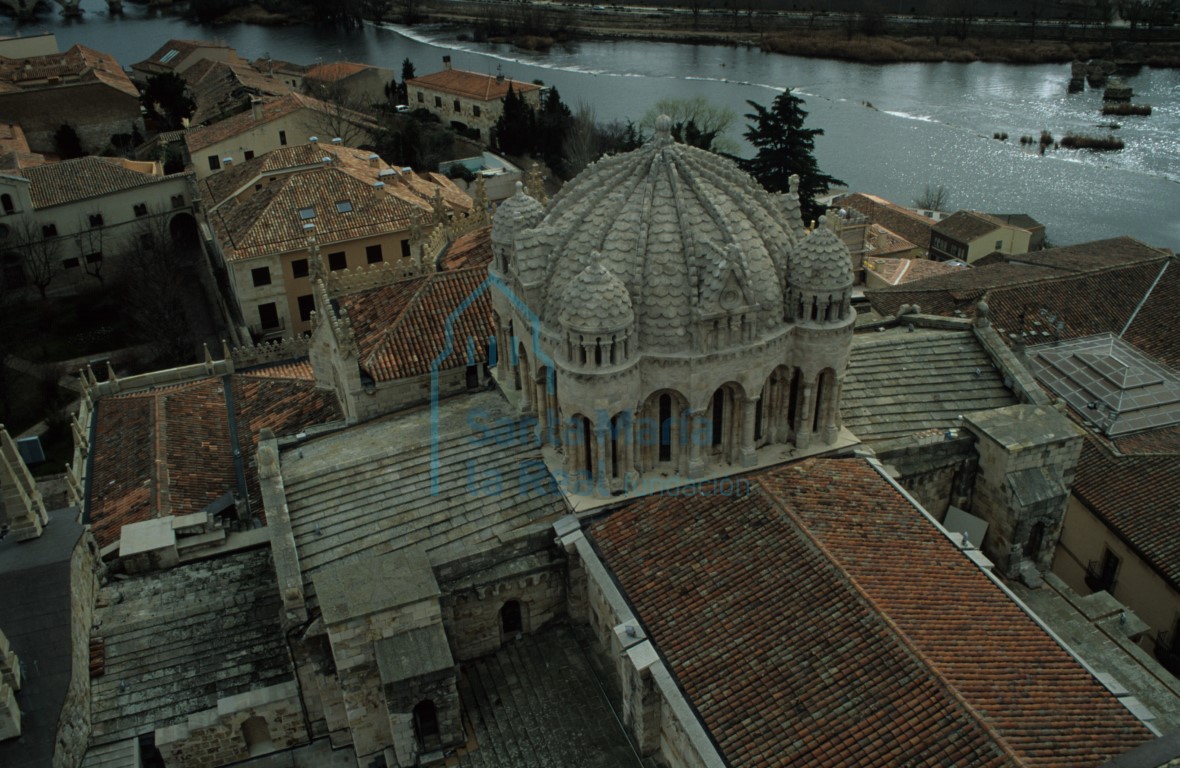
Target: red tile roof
{"type": "Point", "coordinates": [271, 109]}
{"type": "Point", "coordinates": [966, 226]}
{"type": "Point", "coordinates": [77, 65]}
{"type": "Point", "coordinates": [471, 250]}
{"type": "Point", "coordinates": [176, 440]}
{"type": "Point", "coordinates": [336, 70]}
{"type": "Point", "coordinates": [470, 84]}
{"type": "Point", "coordinates": [183, 49]}
{"type": "Point", "coordinates": [820, 619]}
{"type": "Point", "coordinates": [912, 226]}
{"type": "Point", "coordinates": [88, 177]}
{"type": "Point", "coordinates": [401, 328]}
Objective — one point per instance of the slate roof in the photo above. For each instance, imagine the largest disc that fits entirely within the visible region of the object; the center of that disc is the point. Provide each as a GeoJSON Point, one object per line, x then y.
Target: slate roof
{"type": "Point", "coordinates": [400, 328]}
{"type": "Point", "coordinates": [35, 617]}
{"type": "Point", "coordinates": [79, 64]}
{"type": "Point", "coordinates": [369, 491]}
{"type": "Point", "coordinates": [268, 221]}
{"type": "Point", "coordinates": [802, 636]}
{"type": "Point", "coordinates": [900, 382]}
{"type": "Point", "coordinates": [83, 178]}
{"type": "Point", "coordinates": [473, 249]}
{"type": "Point", "coordinates": [271, 109]}
{"type": "Point", "coordinates": [178, 640]}
{"type": "Point", "coordinates": [912, 226]}
{"type": "Point", "coordinates": [471, 85]}
{"type": "Point", "coordinates": [186, 428]}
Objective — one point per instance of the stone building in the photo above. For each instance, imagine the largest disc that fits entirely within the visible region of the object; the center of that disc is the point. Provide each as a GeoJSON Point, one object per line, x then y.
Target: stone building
{"type": "Point", "coordinates": [666, 315]}
{"type": "Point", "coordinates": [469, 101]}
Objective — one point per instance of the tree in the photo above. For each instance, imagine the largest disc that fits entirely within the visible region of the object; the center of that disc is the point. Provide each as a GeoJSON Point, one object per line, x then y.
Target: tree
{"type": "Point", "coordinates": [165, 98]}
{"type": "Point", "coordinates": [933, 198]}
{"type": "Point", "coordinates": [553, 121]}
{"type": "Point", "coordinates": [513, 131]}
{"type": "Point", "coordinates": [786, 148]}
{"type": "Point", "coordinates": [403, 91]}
{"type": "Point", "coordinates": [694, 121]}
{"type": "Point", "coordinates": [39, 256]}
{"type": "Point", "coordinates": [90, 245]}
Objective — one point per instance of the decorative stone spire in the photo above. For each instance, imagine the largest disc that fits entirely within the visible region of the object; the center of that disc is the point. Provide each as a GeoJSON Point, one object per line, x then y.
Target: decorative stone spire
{"type": "Point", "coordinates": [18, 490]}
{"type": "Point", "coordinates": [534, 184]}
{"type": "Point", "coordinates": [663, 130]}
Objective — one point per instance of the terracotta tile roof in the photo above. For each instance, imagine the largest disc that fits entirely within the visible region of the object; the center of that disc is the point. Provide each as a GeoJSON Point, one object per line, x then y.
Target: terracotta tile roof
{"type": "Point", "coordinates": [164, 58]}
{"type": "Point", "coordinates": [85, 177]}
{"type": "Point", "coordinates": [271, 109]}
{"type": "Point", "coordinates": [471, 250]}
{"type": "Point", "coordinates": [79, 64]}
{"type": "Point", "coordinates": [177, 440]}
{"type": "Point", "coordinates": [337, 70]}
{"type": "Point", "coordinates": [221, 89]}
{"type": "Point", "coordinates": [400, 328]}
{"type": "Point", "coordinates": [899, 271]}
{"type": "Point", "coordinates": [267, 66]}
{"type": "Point", "coordinates": [801, 635]}
{"type": "Point", "coordinates": [1022, 220]}
{"type": "Point", "coordinates": [269, 222]}
{"type": "Point", "coordinates": [296, 369]}
{"type": "Point", "coordinates": [471, 85]}
{"type": "Point", "coordinates": [957, 290]}
{"type": "Point", "coordinates": [966, 226]}
{"type": "Point", "coordinates": [912, 226]}
{"type": "Point", "coordinates": [1138, 496]}
{"type": "Point", "coordinates": [1085, 257]}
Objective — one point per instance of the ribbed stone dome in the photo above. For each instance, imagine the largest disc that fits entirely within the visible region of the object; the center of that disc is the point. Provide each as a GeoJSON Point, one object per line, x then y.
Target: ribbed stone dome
{"type": "Point", "coordinates": [596, 300]}
{"type": "Point", "coordinates": [821, 263]}
{"type": "Point", "coordinates": [663, 218]}
{"type": "Point", "coordinates": [514, 215]}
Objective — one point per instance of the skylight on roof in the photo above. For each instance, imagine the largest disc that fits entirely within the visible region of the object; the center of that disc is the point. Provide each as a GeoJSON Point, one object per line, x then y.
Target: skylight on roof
{"type": "Point", "coordinates": [307, 213]}
{"type": "Point", "coordinates": [343, 206]}
{"type": "Point", "coordinates": [167, 57]}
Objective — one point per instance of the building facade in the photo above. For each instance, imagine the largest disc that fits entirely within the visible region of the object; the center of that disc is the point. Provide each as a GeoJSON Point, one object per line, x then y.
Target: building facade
{"type": "Point", "coordinates": [467, 100]}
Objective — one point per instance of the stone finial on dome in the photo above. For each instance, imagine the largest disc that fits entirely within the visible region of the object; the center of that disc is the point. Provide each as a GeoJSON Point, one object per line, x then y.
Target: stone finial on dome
{"type": "Point", "coordinates": [514, 215]}
{"type": "Point", "coordinates": [596, 301]}
{"type": "Point", "coordinates": [794, 184]}
{"type": "Point", "coordinates": [663, 130]}
{"type": "Point", "coordinates": [982, 314]}
{"type": "Point", "coordinates": [821, 263]}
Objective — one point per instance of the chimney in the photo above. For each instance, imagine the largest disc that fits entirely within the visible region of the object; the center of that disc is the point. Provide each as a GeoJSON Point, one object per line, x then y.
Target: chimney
{"type": "Point", "coordinates": [374, 161]}
{"type": "Point", "coordinates": [446, 62]}
{"type": "Point", "coordinates": [256, 107]}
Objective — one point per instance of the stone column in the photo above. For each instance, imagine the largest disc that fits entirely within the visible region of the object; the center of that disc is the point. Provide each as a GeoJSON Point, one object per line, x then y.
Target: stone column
{"type": "Point", "coordinates": [601, 461]}
{"type": "Point", "coordinates": [747, 456]}
{"type": "Point", "coordinates": [805, 415]}
{"type": "Point", "coordinates": [832, 417]}
{"type": "Point", "coordinates": [22, 501]}
{"type": "Point", "coordinates": [542, 400]}
{"type": "Point", "coordinates": [696, 451]}
{"type": "Point", "coordinates": [627, 466]}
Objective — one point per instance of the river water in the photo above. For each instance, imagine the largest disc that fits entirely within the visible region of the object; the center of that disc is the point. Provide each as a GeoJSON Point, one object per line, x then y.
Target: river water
{"type": "Point", "coordinates": [889, 129]}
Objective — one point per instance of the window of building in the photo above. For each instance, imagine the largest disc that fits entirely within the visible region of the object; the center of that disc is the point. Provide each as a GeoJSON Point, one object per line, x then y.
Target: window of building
{"type": "Point", "coordinates": [458, 106]}
{"type": "Point", "coordinates": [999, 244]}
{"type": "Point", "coordinates": [438, 101]}
{"type": "Point", "coordinates": [299, 268]}
{"type": "Point", "coordinates": [48, 230]}
{"type": "Point", "coordinates": [421, 98]}
{"type": "Point", "coordinates": [249, 154]}
{"type": "Point", "coordinates": [337, 261]}
{"type": "Point", "coordinates": [268, 316]}
{"type": "Point", "coordinates": [260, 276]}
{"type": "Point", "coordinates": [178, 201]}
{"type": "Point", "coordinates": [96, 220]}
{"type": "Point", "coordinates": [343, 206]}
{"type": "Point", "coordinates": [306, 307]}
{"type": "Point", "coordinates": [475, 111]}
{"type": "Point", "coordinates": [307, 213]}
{"type": "Point", "coordinates": [141, 209]}
{"type": "Point", "coordinates": [405, 249]}
{"type": "Point", "coordinates": [71, 263]}
{"type": "Point", "coordinates": [94, 258]}
{"type": "Point", "coordinates": [282, 138]}
{"type": "Point", "coordinates": [373, 254]}
{"type": "Point", "coordinates": [6, 201]}
{"type": "Point", "coordinates": [214, 163]}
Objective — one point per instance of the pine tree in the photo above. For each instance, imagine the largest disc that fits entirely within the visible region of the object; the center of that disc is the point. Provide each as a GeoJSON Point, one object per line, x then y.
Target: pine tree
{"type": "Point", "coordinates": [786, 148]}
{"type": "Point", "coordinates": [513, 130]}
{"type": "Point", "coordinates": [553, 123]}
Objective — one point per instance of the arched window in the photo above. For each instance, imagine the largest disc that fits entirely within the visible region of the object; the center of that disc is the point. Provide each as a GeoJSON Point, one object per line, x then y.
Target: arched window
{"type": "Point", "coordinates": [718, 416]}
{"type": "Point", "coordinates": [598, 352]}
{"type": "Point", "coordinates": [665, 427]}
{"type": "Point", "coordinates": [758, 415]}
{"type": "Point", "coordinates": [588, 441]}
{"type": "Point", "coordinates": [6, 201]}
{"type": "Point", "coordinates": [1036, 537]}
{"type": "Point", "coordinates": [426, 725]}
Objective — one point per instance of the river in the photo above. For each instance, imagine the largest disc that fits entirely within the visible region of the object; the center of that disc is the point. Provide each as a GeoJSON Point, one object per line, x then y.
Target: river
{"type": "Point", "coordinates": [889, 129]}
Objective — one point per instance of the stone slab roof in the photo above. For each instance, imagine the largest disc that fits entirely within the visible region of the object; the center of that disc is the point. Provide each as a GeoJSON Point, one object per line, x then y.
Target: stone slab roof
{"type": "Point", "coordinates": [401, 329]}
{"type": "Point", "coordinates": [185, 429]}
{"type": "Point", "coordinates": [358, 588]}
{"type": "Point", "coordinates": [410, 654]}
{"type": "Point", "coordinates": [35, 617]}
{"type": "Point", "coordinates": [83, 178]}
{"type": "Point", "coordinates": [77, 65]}
{"type": "Point", "coordinates": [801, 635]}
{"type": "Point", "coordinates": [369, 491]}
{"type": "Point", "coordinates": [471, 85]}
{"type": "Point", "coordinates": [900, 382]}
{"type": "Point", "coordinates": [178, 640]}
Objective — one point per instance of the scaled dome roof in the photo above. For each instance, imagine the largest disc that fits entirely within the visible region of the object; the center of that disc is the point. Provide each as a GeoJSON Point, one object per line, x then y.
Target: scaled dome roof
{"type": "Point", "coordinates": [596, 301]}
{"type": "Point", "coordinates": [821, 262]}
{"type": "Point", "coordinates": [514, 215]}
{"type": "Point", "coordinates": [663, 217]}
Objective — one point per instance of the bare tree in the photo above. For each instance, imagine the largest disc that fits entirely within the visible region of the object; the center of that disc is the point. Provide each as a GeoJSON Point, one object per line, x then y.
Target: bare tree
{"type": "Point", "coordinates": [695, 121]}
{"type": "Point", "coordinates": [580, 146]}
{"type": "Point", "coordinates": [344, 116]}
{"type": "Point", "coordinates": [933, 198]}
{"type": "Point", "coordinates": [39, 256]}
{"type": "Point", "coordinates": [90, 243]}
